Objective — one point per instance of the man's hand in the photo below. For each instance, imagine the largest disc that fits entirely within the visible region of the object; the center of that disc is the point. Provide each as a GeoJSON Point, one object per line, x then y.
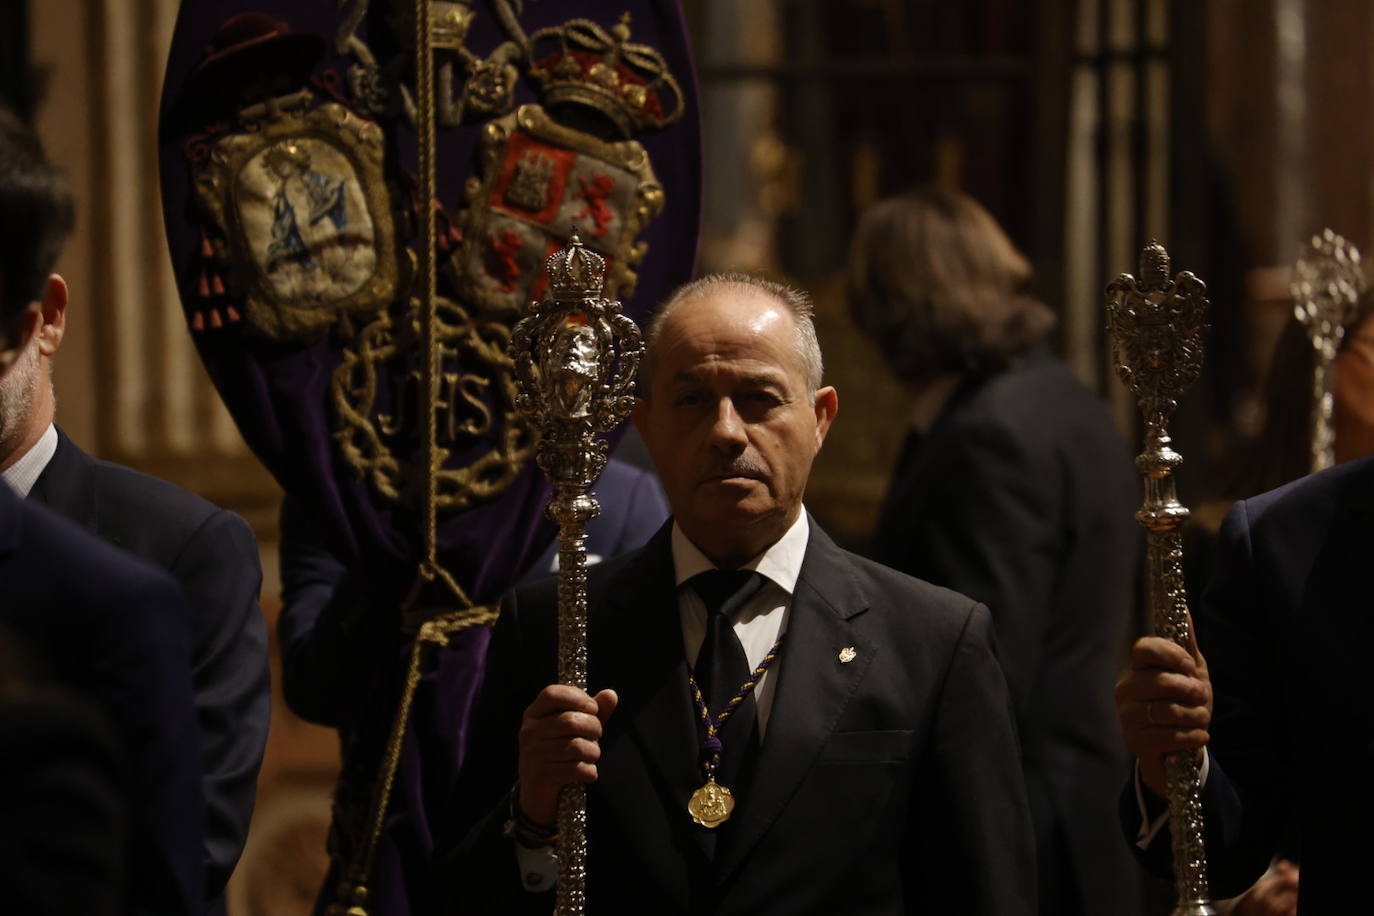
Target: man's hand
{"type": "Point", "coordinates": [558, 745]}
{"type": "Point", "coordinates": [1163, 703]}
{"type": "Point", "coordinates": [1276, 894]}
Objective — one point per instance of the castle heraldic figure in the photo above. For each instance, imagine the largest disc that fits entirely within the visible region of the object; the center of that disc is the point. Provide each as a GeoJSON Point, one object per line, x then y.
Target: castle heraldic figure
{"type": "Point", "coordinates": [772, 724]}
{"type": "Point", "coordinates": [99, 622]}
{"type": "Point", "coordinates": [1015, 488]}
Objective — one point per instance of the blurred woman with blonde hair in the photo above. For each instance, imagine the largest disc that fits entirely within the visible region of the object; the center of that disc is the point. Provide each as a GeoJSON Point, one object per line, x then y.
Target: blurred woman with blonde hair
{"type": "Point", "coordinates": [1016, 489]}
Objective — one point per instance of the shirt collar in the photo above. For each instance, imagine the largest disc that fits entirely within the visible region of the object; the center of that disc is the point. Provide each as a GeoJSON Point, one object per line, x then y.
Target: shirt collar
{"type": "Point", "coordinates": [781, 563]}
{"type": "Point", "coordinates": [24, 473]}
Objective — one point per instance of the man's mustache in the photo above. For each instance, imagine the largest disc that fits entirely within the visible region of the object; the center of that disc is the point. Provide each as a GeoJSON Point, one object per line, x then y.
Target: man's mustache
{"type": "Point", "coordinates": [740, 466]}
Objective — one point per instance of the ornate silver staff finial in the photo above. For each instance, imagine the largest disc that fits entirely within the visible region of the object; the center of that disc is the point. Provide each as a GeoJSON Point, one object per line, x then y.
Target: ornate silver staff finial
{"type": "Point", "coordinates": [575, 356]}
{"type": "Point", "coordinates": [1154, 264]}
{"type": "Point", "coordinates": [1156, 326]}
{"type": "Point", "coordinates": [1326, 287]}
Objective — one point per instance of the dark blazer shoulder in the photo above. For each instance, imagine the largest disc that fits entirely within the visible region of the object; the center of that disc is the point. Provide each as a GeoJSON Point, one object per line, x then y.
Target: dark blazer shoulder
{"type": "Point", "coordinates": [104, 568]}
{"type": "Point", "coordinates": [125, 490]}
{"type": "Point", "coordinates": [140, 513]}
{"type": "Point", "coordinates": [1311, 501]}
{"type": "Point", "coordinates": [1038, 403]}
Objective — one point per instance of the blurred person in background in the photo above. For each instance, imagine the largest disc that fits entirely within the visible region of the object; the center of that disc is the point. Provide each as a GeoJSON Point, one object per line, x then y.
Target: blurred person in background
{"type": "Point", "coordinates": [1015, 488]}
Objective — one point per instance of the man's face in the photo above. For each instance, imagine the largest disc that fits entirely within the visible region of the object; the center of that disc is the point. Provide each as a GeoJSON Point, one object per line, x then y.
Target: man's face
{"type": "Point", "coordinates": [729, 421]}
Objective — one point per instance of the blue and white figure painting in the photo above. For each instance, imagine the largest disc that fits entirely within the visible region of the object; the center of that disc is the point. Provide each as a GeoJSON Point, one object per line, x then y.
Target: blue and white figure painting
{"type": "Point", "coordinates": [306, 221]}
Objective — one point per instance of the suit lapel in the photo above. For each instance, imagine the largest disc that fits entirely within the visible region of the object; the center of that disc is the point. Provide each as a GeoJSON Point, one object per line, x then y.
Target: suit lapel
{"type": "Point", "coordinates": [813, 689]}
{"type": "Point", "coordinates": [66, 486]}
{"type": "Point", "coordinates": [9, 520]}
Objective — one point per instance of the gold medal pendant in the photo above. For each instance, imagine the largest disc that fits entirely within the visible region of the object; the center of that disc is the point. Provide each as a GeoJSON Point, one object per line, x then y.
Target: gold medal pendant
{"type": "Point", "coordinates": [711, 805]}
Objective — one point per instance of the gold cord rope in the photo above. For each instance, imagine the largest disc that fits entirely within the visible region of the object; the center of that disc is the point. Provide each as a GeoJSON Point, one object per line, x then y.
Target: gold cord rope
{"type": "Point", "coordinates": [424, 129]}
{"type": "Point", "coordinates": [354, 891]}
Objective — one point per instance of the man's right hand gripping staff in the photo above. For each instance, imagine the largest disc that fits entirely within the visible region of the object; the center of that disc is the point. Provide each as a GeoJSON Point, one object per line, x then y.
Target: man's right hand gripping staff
{"type": "Point", "coordinates": [558, 746]}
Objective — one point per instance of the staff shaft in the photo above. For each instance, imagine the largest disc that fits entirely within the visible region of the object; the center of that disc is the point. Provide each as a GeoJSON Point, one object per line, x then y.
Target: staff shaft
{"type": "Point", "coordinates": [1182, 769]}
{"type": "Point", "coordinates": [571, 891]}
{"type": "Point", "coordinates": [1156, 325]}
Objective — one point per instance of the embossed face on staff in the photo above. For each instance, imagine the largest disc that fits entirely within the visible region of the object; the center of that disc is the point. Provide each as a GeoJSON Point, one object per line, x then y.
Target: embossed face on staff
{"type": "Point", "coordinates": [573, 368]}
{"type": "Point", "coordinates": [733, 413]}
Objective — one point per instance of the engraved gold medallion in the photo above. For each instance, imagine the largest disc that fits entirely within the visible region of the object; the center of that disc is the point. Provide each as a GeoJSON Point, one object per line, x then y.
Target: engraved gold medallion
{"type": "Point", "coordinates": [711, 805]}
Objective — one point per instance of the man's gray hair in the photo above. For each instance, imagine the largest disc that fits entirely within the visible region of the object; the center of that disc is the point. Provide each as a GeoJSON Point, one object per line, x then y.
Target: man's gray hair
{"type": "Point", "coordinates": [797, 302]}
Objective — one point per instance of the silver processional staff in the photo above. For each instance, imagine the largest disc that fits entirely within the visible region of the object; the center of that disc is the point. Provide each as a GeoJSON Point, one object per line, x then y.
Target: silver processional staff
{"type": "Point", "coordinates": [576, 356]}
{"type": "Point", "coordinates": [1156, 326]}
{"type": "Point", "coordinates": [1326, 287]}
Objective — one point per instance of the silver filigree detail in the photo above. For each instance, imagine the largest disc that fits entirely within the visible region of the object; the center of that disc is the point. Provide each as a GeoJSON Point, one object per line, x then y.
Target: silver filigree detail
{"type": "Point", "coordinates": [1326, 287]}
{"type": "Point", "coordinates": [1156, 325]}
{"type": "Point", "coordinates": [576, 356]}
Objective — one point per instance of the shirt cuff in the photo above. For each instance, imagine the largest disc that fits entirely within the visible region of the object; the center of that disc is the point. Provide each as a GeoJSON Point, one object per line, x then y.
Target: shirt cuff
{"type": "Point", "coordinates": [1150, 829]}
{"type": "Point", "coordinates": [538, 867]}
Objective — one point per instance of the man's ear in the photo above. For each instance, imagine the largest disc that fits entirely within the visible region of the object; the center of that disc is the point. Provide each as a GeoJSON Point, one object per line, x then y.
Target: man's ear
{"type": "Point", "coordinates": [827, 404]}
{"type": "Point", "coordinates": [53, 308]}
{"type": "Point", "coordinates": [15, 333]}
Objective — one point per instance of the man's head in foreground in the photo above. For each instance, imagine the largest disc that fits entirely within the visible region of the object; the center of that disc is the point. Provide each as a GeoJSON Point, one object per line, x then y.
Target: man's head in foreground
{"type": "Point", "coordinates": [732, 410]}
{"type": "Point", "coordinates": [35, 218]}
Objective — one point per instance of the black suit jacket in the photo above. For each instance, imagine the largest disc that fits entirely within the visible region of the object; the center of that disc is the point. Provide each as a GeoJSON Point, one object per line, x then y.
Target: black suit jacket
{"type": "Point", "coordinates": [62, 807]}
{"type": "Point", "coordinates": [114, 630]}
{"type": "Point", "coordinates": [1286, 628]}
{"type": "Point", "coordinates": [1022, 496]}
{"type": "Point", "coordinates": [886, 785]}
{"type": "Point", "coordinates": [213, 554]}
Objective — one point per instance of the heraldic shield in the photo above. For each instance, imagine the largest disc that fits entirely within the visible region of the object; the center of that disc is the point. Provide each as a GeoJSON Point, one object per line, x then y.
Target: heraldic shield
{"type": "Point", "coordinates": [292, 139]}
{"type": "Point", "coordinates": [303, 209]}
{"type": "Point", "coordinates": [542, 183]}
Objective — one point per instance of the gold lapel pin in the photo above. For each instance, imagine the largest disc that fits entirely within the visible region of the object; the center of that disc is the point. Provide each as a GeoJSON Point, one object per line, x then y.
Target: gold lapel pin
{"type": "Point", "coordinates": [847, 655]}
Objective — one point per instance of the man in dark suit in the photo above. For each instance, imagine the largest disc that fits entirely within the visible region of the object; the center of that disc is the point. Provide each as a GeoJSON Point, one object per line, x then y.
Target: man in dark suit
{"type": "Point", "coordinates": [99, 622]}
{"type": "Point", "coordinates": [210, 551]}
{"type": "Point", "coordinates": [1015, 488]}
{"type": "Point", "coordinates": [1279, 694]}
{"type": "Point", "coordinates": [872, 758]}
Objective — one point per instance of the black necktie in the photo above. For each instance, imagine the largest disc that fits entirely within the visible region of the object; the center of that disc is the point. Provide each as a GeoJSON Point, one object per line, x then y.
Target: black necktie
{"type": "Point", "coordinates": [722, 668]}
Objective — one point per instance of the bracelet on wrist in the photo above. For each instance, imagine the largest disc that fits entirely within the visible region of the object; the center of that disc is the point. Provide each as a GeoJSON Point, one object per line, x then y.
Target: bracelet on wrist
{"type": "Point", "coordinates": [526, 831]}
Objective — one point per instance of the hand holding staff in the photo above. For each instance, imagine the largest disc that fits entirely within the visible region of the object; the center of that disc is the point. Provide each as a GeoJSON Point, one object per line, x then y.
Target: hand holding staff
{"type": "Point", "coordinates": [1156, 326]}
{"type": "Point", "coordinates": [575, 357]}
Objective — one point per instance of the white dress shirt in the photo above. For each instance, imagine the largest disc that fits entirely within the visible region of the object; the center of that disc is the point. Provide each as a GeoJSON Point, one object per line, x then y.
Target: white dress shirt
{"type": "Point", "coordinates": [758, 624]}
{"type": "Point", "coordinates": [24, 473]}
